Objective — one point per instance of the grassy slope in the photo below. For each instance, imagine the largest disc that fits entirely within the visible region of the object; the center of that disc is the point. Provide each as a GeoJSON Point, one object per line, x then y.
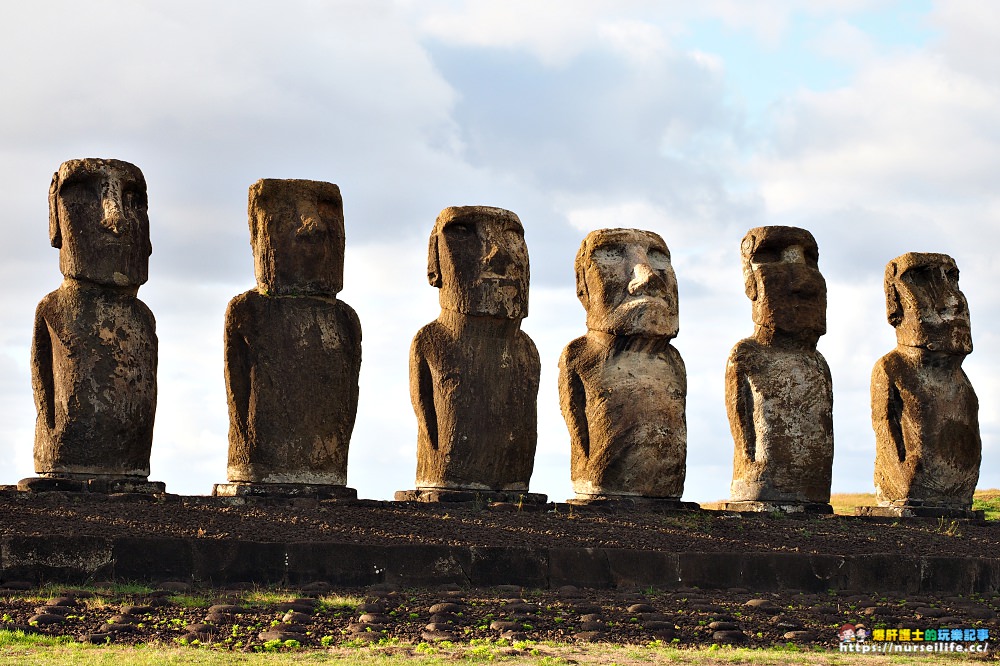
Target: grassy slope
{"type": "Point", "coordinates": [15, 652]}
{"type": "Point", "coordinates": [987, 500]}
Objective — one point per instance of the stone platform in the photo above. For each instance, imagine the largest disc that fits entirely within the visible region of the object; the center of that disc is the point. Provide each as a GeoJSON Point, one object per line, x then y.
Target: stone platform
{"type": "Point", "coordinates": [777, 507]}
{"type": "Point", "coordinates": [918, 511]}
{"type": "Point", "coordinates": [517, 497]}
{"type": "Point", "coordinates": [91, 485]}
{"type": "Point", "coordinates": [279, 490]}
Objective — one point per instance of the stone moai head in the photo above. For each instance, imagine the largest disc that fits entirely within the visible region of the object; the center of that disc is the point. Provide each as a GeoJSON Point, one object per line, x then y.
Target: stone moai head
{"type": "Point", "coordinates": [297, 235]}
{"type": "Point", "coordinates": [925, 305]}
{"type": "Point", "coordinates": [99, 222]}
{"type": "Point", "coordinates": [626, 283]}
{"type": "Point", "coordinates": [782, 278]}
{"type": "Point", "coordinates": [478, 259]}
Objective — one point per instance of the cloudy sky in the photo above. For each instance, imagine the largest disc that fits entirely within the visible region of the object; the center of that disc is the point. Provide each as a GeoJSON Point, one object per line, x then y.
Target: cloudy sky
{"type": "Point", "coordinates": [875, 124]}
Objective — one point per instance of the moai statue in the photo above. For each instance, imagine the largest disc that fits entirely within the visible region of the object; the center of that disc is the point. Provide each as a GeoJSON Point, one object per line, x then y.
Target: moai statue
{"type": "Point", "coordinates": [624, 447]}
{"type": "Point", "coordinates": [924, 411]}
{"type": "Point", "coordinates": [293, 351]}
{"type": "Point", "coordinates": [93, 353]}
{"type": "Point", "coordinates": [473, 373]}
{"type": "Point", "coordinates": [779, 394]}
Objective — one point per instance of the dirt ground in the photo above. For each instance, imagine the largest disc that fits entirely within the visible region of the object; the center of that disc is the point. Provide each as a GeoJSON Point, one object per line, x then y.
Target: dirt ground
{"type": "Point", "coordinates": [380, 523]}
{"type": "Point", "coordinates": [316, 615]}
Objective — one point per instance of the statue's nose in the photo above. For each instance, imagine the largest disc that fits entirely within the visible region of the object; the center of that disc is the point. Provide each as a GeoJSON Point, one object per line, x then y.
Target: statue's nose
{"type": "Point", "coordinates": [111, 201]}
{"type": "Point", "coordinates": [645, 282]}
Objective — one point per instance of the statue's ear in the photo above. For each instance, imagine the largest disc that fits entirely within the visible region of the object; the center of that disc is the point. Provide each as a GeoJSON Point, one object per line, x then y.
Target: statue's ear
{"type": "Point", "coordinates": [893, 305]}
{"type": "Point", "coordinates": [750, 284]}
{"type": "Point", "coordinates": [582, 292]}
{"type": "Point", "coordinates": [55, 235]}
{"type": "Point", "coordinates": [433, 262]}
{"type": "Point", "coordinates": [749, 280]}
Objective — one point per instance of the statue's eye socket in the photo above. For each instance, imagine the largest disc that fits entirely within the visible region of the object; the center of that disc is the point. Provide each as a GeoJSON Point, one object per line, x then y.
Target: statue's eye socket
{"type": "Point", "coordinates": [608, 254]}
{"type": "Point", "coordinates": [658, 260]}
{"type": "Point", "coordinates": [80, 190]}
{"type": "Point", "coordinates": [458, 228]}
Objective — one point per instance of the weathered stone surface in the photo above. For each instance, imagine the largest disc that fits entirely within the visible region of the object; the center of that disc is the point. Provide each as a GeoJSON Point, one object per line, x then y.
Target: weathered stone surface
{"type": "Point", "coordinates": [924, 410]}
{"type": "Point", "coordinates": [779, 394]}
{"type": "Point", "coordinates": [293, 351]}
{"type": "Point", "coordinates": [94, 347]}
{"type": "Point", "coordinates": [473, 373]}
{"type": "Point", "coordinates": [622, 446]}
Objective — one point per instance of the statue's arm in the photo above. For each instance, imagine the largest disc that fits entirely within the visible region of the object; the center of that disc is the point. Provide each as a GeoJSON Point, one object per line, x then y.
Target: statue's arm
{"type": "Point", "coordinates": [887, 411]}
{"type": "Point", "coordinates": [237, 369]}
{"type": "Point", "coordinates": [573, 402]}
{"type": "Point", "coordinates": [740, 406]}
{"type": "Point", "coordinates": [42, 379]}
{"type": "Point", "coordinates": [422, 392]}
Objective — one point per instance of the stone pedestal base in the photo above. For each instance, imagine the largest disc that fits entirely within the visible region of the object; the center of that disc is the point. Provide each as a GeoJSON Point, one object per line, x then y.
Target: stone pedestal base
{"type": "Point", "coordinates": [287, 490]}
{"type": "Point", "coordinates": [772, 506]}
{"type": "Point", "coordinates": [626, 502]}
{"type": "Point", "coordinates": [38, 484]}
{"type": "Point", "coordinates": [482, 496]}
{"type": "Point", "coordinates": [918, 511]}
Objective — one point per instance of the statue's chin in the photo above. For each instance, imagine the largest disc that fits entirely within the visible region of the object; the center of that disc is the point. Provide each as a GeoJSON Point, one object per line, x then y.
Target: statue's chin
{"type": "Point", "coordinates": [644, 318]}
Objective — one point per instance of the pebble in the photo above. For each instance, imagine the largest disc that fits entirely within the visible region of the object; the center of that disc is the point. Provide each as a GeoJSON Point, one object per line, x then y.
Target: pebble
{"type": "Point", "coordinates": [657, 626]}
{"type": "Point", "coordinates": [930, 612]}
{"type": "Point", "coordinates": [641, 608]}
{"type": "Point", "coordinates": [56, 610]}
{"type": "Point", "coordinates": [522, 607]}
{"type": "Point", "coordinates": [514, 636]}
{"type": "Point", "coordinates": [588, 636]}
{"type": "Point", "coordinates": [799, 636]}
{"type": "Point", "coordinates": [445, 608]}
{"type": "Point", "coordinates": [370, 608]}
{"type": "Point", "coordinates": [117, 628]}
{"type": "Point", "coordinates": [125, 619]}
{"type": "Point", "coordinates": [297, 607]}
{"type": "Point", "coordinates": [42, 619]}
{"type": "Point", "coordinates": [289, 627]}
{"type": "Point", "coordinates": [229, 609]}
{"type": "Point", "coordinates": [199, 636]}
{"type": "Point", "coordinates": [729, 636]}
{"type": "Point", "coordinates": [136, 610]}
{"type": "Point", "coordinates": [652, 617]}
{"type": "Point", "coordinates": [62, 601]}
{"type": "Point", "coordinates": [444, 618]}
{"type": "Point", "coordinates": [201, 628]}
{"type": "Point", "coordinates": [372, 618]}
{"type": "Point", "coordinates": [297, 617]}
{"type": "Point", "coordinates": [505, 625]}
{"type": "Point", "coordinates": [595, 625]}
{"type": "Point", "coordinates": [723, 626]}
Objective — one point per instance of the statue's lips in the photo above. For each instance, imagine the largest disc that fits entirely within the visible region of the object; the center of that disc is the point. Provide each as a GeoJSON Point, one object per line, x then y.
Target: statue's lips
{"type": "Point", "coordinates": [644, 300]}
{"type": "Point", "coordinates": [499, 281]}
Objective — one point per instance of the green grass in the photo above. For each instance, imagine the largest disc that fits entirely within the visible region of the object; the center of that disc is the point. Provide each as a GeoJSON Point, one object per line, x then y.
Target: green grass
{"type": "Point", "coordinates": [988, 501]}
{"type": "Point", "coordinates": [843, 504]}
{"type": "Point", "coordinates": [18, 649]}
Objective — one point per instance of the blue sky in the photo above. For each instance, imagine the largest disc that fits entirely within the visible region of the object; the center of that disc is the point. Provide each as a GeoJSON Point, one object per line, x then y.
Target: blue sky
{"type": "Point", "coordinates": [874, 124]}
